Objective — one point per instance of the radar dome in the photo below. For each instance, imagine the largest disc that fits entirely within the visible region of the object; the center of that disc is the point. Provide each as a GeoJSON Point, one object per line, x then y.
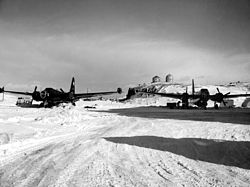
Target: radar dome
{"type": "Point", "coordinates": [169, 78]}
{"type": "Point", "coordinates": [156, 79]}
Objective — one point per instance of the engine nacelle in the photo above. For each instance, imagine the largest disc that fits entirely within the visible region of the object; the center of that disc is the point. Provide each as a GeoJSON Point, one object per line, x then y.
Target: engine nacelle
{"type": "Point", "coordinates": [43, 94]}
{"type": "Point", "coordinates": [36, 96]}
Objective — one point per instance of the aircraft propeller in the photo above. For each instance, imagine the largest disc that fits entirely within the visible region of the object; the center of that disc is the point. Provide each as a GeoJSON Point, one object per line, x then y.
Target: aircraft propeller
{"type": "Point", "coordinates": [219, 97]}
{"type": "Point", "coordinates": [35, 94]}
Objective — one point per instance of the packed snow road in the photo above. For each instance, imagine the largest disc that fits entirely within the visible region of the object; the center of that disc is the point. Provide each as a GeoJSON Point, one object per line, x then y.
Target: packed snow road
{"type": "Point", "coordinates": [73, 146]}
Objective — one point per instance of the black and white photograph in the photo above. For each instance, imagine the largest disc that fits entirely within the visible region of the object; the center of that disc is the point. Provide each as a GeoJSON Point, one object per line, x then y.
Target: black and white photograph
{"type": "Point", "coordinates": [124, 93]}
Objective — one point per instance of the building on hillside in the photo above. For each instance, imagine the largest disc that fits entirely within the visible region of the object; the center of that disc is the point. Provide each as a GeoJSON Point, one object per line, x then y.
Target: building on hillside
{"type": "Point", "coordinates": [156, 79]}
{"type": "Point", "coordinates": [169, 78]}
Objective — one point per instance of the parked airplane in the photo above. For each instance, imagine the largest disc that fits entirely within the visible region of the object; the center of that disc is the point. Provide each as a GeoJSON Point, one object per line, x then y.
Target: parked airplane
{"type": "Point", "coordinates": [200, 98]}
{"type": "Point", "coordinates": [52, 97]}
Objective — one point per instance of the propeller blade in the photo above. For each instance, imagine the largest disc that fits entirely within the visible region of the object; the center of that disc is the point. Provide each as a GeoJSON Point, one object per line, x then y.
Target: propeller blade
{"type": "Point", "coordinates": [227, 93]}
{"type": "Point", "coordinates": [218, 90]}
{"type": "Point", "coordinates": [35, 88]}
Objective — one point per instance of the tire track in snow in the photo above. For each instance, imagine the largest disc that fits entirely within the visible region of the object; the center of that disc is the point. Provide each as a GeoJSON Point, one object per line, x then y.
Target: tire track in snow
{"type": "Point", "coordinates": [26, 147]}
{"type": "Point", "coordinates": [41, 164]}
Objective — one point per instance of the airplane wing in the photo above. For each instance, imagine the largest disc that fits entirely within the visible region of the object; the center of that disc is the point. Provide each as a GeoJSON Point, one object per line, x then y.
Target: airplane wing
{"type": "Point", "coordinates": [227, 96]}
{"type": "Point", "coordinates": [14, 92]}
{"type": "Point", "coordinates": [172, 95]}
{"type": "Point", "coordinates": [236, 95]}
{"type": "Point", "coordinates": [87, 95]}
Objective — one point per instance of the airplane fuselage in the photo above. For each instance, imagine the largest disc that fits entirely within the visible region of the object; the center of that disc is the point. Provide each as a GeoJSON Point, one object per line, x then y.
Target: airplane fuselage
{"type": "Point", "coordinates": [201, 98]}
{"type": "Point", "coordinates": [51, 95]}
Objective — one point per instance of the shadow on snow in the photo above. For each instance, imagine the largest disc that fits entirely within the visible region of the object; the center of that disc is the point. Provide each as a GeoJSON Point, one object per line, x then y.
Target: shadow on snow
{"type": "Point", "coordinates": [237, 116]}
{"type": "Point", "coordinates": [229, 153]}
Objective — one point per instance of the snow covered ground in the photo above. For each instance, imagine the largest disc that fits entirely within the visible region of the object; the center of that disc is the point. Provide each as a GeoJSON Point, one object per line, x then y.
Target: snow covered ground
{"type": "Point", "coordinates": [75, 146]}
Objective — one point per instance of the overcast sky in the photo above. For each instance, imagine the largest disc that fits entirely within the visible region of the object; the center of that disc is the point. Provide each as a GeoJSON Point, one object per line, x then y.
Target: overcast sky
{"type": "Point", "coordinates": [110, 43]}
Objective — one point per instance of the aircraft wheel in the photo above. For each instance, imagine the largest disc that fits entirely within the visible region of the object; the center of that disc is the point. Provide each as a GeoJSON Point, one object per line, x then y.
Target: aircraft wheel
{"type": "Point", "coordinates": [216, 106]}
{"type": "Point", "coordinates": [47, 104]}
{"type": "Point", "coordinates": [50, 105]}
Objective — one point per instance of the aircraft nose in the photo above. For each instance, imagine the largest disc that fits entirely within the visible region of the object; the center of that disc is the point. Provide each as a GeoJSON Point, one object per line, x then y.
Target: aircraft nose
{"type": "Point", "coordinates": [43, 94]}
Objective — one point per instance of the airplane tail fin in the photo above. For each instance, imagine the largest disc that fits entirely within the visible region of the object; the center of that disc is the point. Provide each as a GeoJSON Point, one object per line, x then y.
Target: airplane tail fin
{"type": "Point", "coordinates": [72, 86]}
{"type": "Point", "coordinates": [193, 87]}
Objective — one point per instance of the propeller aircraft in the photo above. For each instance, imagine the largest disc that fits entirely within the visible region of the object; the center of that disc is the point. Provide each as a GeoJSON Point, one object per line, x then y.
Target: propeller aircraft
{"type": "Point", "coordinates": [52, 97]}
{"type": "Point", "coordinates": [200, 98]}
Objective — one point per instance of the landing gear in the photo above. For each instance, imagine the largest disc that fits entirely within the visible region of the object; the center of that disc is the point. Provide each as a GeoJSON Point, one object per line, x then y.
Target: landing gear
{"type": "Point", "coordinates": [202, 104]}
{"type": "Point", "coordinates": [184, 106]}
{"type": "Point", "coordinates": [204, 107]}
{"type": "Point", "coordinates": [185, 100]}
{"type": "Point", "coordinates": [46, 104]}
{"type": "Point", "coordinates": [216, 106]}
{"type": "Point", "coordinates": [185, 103]}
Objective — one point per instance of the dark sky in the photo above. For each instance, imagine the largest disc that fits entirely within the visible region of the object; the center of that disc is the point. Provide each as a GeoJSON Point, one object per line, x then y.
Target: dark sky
{"type": "Point", "coordinates": [110, 43]}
